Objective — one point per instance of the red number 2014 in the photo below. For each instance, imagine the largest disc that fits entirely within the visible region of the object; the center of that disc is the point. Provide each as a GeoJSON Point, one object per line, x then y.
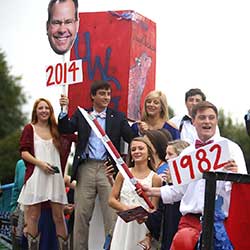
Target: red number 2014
{"type": "Point", "coordinates": [60, 72]}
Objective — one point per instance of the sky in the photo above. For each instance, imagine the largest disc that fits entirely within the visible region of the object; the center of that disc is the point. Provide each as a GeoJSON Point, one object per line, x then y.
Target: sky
{"type": "Point", "coordinates": [200, 44]}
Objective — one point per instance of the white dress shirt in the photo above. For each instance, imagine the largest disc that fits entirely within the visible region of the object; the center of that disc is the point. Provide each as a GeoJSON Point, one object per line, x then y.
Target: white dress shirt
{"type": "Point", "coordinates": [188, 131]}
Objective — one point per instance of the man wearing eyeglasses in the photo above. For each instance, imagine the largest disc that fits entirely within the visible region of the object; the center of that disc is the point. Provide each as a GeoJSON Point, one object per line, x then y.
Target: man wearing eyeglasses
{"type": "Point", "coordinates": [62, 24]}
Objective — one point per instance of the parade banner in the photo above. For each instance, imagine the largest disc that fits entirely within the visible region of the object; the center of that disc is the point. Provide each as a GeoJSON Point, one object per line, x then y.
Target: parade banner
{"type": "Point", "coordinates": [119, 47]}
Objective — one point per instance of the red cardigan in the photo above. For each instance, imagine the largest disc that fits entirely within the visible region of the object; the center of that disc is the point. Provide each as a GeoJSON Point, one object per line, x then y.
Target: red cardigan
{"type": "Point", "coordinates": [27, 144]}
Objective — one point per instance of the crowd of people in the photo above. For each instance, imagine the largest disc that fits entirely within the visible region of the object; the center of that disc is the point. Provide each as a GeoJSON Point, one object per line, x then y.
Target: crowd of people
{"type": "Point", "coordinates": [52, 210]}
{"type": "Point", "coordinates": [40, 197]}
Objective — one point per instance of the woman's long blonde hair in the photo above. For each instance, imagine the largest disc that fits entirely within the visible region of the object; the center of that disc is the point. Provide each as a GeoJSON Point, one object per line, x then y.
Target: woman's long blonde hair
{"type": "Point", "coordinates": [164, 104]}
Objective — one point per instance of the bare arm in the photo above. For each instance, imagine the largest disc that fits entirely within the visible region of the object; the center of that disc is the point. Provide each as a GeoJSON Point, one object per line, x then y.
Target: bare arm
{"type": "Point", "coordinates": [46, 167]}
{"type": "Point", "coordinates": [150, 191]}
{"type": "Point", "coordinates": [156, 183]}
{"type": "Point", "coordinates": [114, 198]}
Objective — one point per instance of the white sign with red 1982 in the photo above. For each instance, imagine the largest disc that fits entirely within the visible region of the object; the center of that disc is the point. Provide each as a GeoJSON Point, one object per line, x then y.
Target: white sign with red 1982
{"type": "Point", "coordinates": [64, 73]}
{"type": "Point", "coordinates": [190, 167]}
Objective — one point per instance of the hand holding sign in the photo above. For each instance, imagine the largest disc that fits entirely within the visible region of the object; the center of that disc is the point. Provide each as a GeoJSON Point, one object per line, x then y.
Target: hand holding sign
{"type": "Point", "coordinates": [187, 168]}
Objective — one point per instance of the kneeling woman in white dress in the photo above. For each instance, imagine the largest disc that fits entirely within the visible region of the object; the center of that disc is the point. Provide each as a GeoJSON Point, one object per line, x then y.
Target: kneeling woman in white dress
{"type": "Point", "coordinates": [123, 197]}
{"type": "Point", "coordinates": [40, 147]}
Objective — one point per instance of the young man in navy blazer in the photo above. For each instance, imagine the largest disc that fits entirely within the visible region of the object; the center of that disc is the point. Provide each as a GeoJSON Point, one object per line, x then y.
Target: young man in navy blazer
{"type": "Point", "coordinates": [88, 165]}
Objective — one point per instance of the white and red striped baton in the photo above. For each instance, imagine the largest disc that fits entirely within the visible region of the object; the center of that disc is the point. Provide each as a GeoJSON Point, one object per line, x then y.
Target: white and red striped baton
{"type": "Point", "coordinates": [122, 166]}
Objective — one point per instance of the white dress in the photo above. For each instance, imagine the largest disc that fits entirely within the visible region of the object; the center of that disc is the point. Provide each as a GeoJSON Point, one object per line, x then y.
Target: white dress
{"type": "Point", "coordinates": [127, 235]}
{"type": "Point", "coordinates": [40, 186]}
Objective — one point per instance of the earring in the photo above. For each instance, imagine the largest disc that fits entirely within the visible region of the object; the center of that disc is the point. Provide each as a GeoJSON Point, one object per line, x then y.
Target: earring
{"type": "Point", "coordinates": [132, 160]}
{"type": "Point", "coordinates": [148, 158]}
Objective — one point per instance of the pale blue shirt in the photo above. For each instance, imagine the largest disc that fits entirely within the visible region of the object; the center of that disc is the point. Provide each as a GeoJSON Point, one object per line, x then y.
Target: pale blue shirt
{"type": "Point", "coordinates": [95, 148]}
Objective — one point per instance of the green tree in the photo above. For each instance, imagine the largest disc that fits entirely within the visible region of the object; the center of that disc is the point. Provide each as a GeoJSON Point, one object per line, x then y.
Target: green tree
{"type": "Point", "coordinates": [12, 119]}
{"type": "Point", "coordinates": [9, 154]}
{"type": "Point", "coordinates": [170, 112]}
{"type": "Point", "coordinates": [237, 133]}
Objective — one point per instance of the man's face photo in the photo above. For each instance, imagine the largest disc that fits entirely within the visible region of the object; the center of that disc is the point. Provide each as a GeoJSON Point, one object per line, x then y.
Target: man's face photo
{"type": "Point", "coordinates": [62, 26]}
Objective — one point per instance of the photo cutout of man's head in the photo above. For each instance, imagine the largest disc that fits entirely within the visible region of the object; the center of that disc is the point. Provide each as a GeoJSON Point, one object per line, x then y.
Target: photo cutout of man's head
{"type": "Point", "coordinates": [62, 24]}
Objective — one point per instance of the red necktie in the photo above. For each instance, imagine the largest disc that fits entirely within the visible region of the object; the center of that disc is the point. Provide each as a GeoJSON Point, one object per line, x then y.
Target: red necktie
{"type": "Point", "coordinates": [199, 143]}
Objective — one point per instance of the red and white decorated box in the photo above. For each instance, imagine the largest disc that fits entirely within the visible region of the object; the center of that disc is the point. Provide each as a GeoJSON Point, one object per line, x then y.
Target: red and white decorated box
{"type": "Point", "coordinates": [120, 47]}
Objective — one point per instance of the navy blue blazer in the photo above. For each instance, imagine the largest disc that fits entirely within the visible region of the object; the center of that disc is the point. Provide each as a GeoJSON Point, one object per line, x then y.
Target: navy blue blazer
{"type": "Point", "coordinates": [117, 127]}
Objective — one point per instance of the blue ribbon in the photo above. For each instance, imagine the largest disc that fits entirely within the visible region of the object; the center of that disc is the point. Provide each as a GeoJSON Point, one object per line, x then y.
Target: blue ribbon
{"type": "Point", "coordinates": [221, 239]}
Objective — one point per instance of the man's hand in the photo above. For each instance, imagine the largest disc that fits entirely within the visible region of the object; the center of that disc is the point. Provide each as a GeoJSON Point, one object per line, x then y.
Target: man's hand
{"type": "Point", "coordinates": [69, 208]}
{"type": "Point", "coordinates": [64, 100]}
{"type": "Point", "coordinates": [109, 171]}
{"type": "Point", "coordinates": [143, 126]}
{"type": "Point", "coordinates": [231, 166]}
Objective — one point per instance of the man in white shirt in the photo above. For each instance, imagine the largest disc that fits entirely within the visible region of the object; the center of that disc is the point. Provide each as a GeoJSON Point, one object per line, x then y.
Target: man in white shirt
{"type": "Point", "coordinates": [184, 123]}
{"type": "Point", "coordinates": [205, 120]}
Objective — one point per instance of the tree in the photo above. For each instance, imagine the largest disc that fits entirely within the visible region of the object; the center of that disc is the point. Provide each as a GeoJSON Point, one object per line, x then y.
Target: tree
{"type": "Point", "coordinates": [9, 154]}
{"type": "Point", "coordinates": [170, 112]}
{"type": "Point", "coordinates": [11, 100]}
{"type": "Point", "coordinates": [237, 133]}
{"type": "Point", "coordinates": [12, 120]}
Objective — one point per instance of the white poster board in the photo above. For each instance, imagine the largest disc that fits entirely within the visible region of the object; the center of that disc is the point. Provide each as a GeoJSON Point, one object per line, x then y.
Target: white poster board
{"type": "Point", "coordinates": [190, 167]}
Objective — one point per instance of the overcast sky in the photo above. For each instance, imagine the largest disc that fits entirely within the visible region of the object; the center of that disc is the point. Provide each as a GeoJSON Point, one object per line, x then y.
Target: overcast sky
{"type": "Point", "coordinates": [203, 44]}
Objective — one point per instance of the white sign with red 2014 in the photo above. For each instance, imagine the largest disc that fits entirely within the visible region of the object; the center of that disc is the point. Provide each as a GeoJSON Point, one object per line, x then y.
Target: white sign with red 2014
{"type": "Point", "coordinates": [190, 167]}
{"type": "Point", "coordinates": [64, 73]}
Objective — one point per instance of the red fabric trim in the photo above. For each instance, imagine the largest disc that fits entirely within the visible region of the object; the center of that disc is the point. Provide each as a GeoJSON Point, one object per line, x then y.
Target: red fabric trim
{"type": "Point", "coordinates": [238, 222]}
{"type": "Point", "coordinates": [188, 233]}
{"type": "Point", "coordinates": [66, 142]}
{"type": "Point", "coordinates": [27, 144]}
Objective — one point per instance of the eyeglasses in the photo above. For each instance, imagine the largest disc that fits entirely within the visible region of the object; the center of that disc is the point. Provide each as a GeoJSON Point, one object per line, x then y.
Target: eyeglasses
{"type": "Point", "coordinates": [67, 22]}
